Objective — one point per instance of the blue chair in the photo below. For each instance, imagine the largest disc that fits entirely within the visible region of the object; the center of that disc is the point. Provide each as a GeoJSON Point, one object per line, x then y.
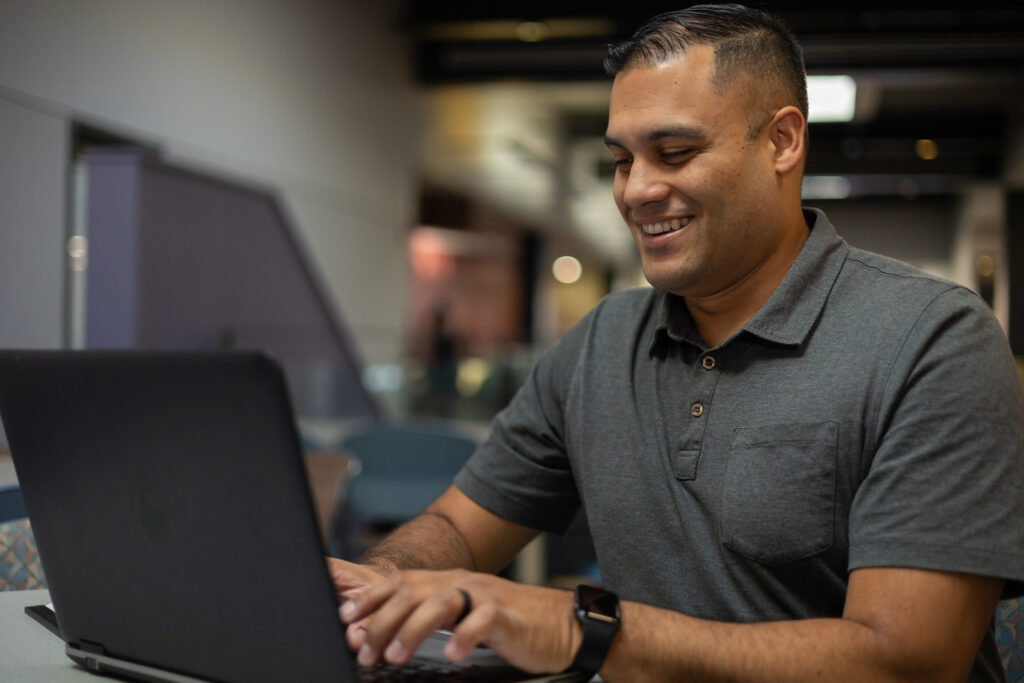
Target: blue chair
{"type": "Point", "coordinates": [12, 505]}
{"type": "Point", "coordinates": [401, 468]}
{"type": "Point", "coordinates": [1010, 638]}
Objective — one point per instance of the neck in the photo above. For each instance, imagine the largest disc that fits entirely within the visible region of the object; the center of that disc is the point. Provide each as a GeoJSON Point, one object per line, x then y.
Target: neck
{"type": "Point", "coordinates": [720, 315]}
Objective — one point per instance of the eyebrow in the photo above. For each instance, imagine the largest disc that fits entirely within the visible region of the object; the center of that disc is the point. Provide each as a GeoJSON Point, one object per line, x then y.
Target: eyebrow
{"type": "Point", "coordinates": [680, 131]}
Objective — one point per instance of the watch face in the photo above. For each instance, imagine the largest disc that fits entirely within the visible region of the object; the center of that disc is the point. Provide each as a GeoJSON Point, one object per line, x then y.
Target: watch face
{"type": "Point", "coordinates": [598, 604]}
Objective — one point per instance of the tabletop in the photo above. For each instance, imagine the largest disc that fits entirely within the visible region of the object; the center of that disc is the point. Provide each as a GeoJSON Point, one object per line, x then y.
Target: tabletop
{"type": "Point", "coordinates": [29, 653]}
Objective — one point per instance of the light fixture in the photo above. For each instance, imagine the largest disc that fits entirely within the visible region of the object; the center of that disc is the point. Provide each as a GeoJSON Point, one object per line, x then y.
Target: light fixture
{"type": "Point", "coordinates": [825, 187]}
{"type": "Point", "coordinates": [567, 269]}
{"type": "Point", "coordinates": [533, 31]}
{"type": "Point", "coordinates": [831, 98]}
{"type": "Point", "coordinates": [926, 149]}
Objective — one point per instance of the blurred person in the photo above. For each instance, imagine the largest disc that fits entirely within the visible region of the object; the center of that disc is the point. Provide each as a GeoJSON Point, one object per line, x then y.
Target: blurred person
{"type": "Point", "coordinates": [798, 460]}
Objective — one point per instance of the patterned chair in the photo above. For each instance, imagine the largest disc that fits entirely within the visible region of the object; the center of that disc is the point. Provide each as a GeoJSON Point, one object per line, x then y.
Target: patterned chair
{"type": "Point", "coordinates": [1010, 638]}
{"type": "Point", "coordinates": [20, 568]}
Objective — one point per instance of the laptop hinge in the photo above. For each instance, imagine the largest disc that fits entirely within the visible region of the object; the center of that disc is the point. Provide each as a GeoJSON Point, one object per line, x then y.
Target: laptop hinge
{"type": "Point", "coordinates": [91, 648]}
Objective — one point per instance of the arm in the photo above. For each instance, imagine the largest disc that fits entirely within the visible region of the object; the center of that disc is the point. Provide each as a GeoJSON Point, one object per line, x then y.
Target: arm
{"type": "Point", "coordinates": [453, 532]}
{"type": "Point", "coordinates": [898, 625]}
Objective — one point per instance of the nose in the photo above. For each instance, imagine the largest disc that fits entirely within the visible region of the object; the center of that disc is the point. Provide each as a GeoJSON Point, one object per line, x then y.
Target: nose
{"type": "Point", "coordinates": [643, 185]}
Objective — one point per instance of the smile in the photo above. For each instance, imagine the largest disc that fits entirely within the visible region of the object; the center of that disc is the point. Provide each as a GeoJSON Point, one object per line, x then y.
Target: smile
{"type": "Point", "coordinates": [665, 226]}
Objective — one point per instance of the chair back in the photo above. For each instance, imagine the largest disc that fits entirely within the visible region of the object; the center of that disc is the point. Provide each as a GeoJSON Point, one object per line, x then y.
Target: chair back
{"type": "Point", "coordinates": [12, 505]}
{"type": "Point", "coordinates": [401, 468]}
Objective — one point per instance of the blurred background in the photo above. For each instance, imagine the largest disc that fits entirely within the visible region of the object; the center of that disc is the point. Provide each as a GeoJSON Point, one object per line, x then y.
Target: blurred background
{"type": "Point", "coordinates": [407, 201]}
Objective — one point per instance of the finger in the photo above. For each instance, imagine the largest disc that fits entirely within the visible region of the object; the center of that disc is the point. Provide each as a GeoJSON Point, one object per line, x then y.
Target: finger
{"type": "Point", "coordinates": [475, 629]}
{"type": "Point", "coordinates": [355, 634]}
{"type": "Point", "coordinates": [364, 600]}
{"type": "Point", "coordinates": [390, 610]}
{"type": "Point", "coordinates": [442, 608]}
{"type": "Point", "coordinates": [347, 576]}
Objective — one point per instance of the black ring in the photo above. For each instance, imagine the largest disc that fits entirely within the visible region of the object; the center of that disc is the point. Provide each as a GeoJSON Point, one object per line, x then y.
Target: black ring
{"type": "Point", "coordinates": [467, 606]}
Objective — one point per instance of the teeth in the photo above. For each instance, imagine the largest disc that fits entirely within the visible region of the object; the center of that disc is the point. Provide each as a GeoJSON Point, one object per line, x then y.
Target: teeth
{"type": "Point", "coordinates": [667, 226]}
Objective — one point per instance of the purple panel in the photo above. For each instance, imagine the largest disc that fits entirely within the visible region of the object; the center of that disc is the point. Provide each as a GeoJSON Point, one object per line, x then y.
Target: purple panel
{"type": "Point", "coordinates": [112, 229]}
{"type": "Point", "coordinates": [218, 266]}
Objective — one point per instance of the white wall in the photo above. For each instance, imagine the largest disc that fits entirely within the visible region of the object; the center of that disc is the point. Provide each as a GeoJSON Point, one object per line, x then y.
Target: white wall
{"type": "Point", "coordinates": [33, 150]}
{"type": "Point", "coordinates": [313, 97]}
{"type": "Point", "coordinates": [919, 232]}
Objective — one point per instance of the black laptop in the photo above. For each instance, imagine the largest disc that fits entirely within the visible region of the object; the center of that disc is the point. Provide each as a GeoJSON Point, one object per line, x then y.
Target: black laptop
{"type": "Point", "coordinates": [169, 502]}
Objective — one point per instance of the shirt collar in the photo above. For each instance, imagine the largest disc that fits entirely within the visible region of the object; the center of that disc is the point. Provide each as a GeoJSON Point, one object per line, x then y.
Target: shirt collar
{"type": "Point", "coordinates": [794, 306]}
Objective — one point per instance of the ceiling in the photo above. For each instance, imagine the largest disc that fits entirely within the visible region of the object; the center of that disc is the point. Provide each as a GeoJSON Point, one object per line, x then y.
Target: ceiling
{"type": "Point", "coordinates": [952, 75]}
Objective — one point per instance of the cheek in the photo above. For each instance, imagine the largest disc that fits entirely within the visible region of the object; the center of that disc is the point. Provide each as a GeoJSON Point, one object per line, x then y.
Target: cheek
{"type": "Point", "coordinates": [618, 191]}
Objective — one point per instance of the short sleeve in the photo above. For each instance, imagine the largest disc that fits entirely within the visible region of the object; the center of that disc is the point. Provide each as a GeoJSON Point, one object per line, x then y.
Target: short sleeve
{"type": "Point", "coordinates": [945, 488]}
{"type": "Point", "coordinates": [521, 471]}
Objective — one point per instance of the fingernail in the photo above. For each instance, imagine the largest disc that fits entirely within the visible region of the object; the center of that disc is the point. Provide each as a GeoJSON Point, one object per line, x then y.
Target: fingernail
{"type": "Point", "coordinates": [395, 652]}
{"type": "Point", "coordinates": [365, 656]}
{"type": "Point", "coordinates": [348, 610]}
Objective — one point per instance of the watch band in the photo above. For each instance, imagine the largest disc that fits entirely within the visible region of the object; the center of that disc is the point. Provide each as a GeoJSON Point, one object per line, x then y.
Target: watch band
{"type": "Point", "coordinates": [597, 610]}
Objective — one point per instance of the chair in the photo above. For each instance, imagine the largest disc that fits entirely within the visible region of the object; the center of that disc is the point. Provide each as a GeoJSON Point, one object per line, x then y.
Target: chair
{"type": "Point", "coordinates": [1010, 638]}
{"type": "Point", "coordinates": [401, 468]}
{"type": "Point", "coordinates": [20, 568]}
{"type": "Point", "coordinates": [12, 505]}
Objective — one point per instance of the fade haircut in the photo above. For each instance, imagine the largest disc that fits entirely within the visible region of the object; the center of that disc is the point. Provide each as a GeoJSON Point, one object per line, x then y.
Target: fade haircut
{"type": "Point", "coordinates": [747, 42]}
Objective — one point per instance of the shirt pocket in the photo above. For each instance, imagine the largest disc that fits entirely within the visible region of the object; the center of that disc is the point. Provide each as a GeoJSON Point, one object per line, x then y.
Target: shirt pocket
{"type": "Point", "coordinates": [779, 494]}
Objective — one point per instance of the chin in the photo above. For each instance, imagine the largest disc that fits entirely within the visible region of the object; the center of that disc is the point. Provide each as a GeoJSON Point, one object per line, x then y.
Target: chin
{"type": "Point", "coordinates": [669, 282]}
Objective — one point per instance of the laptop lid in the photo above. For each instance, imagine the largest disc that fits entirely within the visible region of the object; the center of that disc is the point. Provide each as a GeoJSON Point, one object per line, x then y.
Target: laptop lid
{"type": "Point", "coordinates": [173, 519]}
{"type": "Point", "coordinates": [170, 506]}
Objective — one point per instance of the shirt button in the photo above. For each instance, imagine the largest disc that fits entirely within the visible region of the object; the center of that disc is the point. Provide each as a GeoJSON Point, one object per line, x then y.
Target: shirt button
{"type": "Point", "coordinates": [708, 362]}
{"type": "Point", "coordinates": [697, 409]}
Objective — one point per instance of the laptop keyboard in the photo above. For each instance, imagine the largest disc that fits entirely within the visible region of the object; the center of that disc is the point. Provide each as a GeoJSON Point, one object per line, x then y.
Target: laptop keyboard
{"type": "Point", "coordinates": [415, 671]}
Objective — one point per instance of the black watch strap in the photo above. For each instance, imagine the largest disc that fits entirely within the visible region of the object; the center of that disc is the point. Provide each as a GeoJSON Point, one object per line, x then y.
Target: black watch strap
{"type": "Point", "coordinates": [597, 610]}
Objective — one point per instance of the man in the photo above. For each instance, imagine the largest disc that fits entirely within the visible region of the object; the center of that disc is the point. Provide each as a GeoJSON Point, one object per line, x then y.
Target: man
{"type": "Point", "coordinates": [798, 460]}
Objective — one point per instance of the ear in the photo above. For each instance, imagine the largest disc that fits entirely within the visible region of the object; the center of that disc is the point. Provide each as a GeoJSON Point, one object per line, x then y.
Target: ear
{"type": "Point", "coordinates": [788, 138]}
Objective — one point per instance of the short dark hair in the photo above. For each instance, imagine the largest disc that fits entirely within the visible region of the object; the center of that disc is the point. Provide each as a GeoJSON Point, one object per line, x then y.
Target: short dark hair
{"type": "Point", "coordinates": [746, 41]}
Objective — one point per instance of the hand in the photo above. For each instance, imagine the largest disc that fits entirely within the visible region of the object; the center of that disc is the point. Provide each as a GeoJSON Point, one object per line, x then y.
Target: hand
{"type": "Point", "coordinates": [350, 578]}
{"type": "Point", "coordinates": [531, 627]}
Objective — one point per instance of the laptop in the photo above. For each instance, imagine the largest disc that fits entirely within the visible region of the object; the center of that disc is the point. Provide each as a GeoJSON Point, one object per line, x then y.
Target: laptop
{"type": "Point", "coordinates": [170, 505]}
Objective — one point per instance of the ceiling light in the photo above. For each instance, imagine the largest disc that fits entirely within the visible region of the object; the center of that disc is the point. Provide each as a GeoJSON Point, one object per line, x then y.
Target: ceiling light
{"type": "Point", "coordinates": [532, 31]}
{"type": "Point", "coordinates": [926, 149]}
{"type": "Point", "coordinates": [831, 98]}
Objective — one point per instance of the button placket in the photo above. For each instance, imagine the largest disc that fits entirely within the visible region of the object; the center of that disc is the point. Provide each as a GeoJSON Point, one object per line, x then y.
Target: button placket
{"type": "Point", "coordinates": [704, 380]}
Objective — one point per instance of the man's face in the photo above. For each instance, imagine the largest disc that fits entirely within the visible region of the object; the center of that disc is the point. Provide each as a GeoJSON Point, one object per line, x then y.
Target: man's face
{"type": "Point", "coordinates": [700, 197]}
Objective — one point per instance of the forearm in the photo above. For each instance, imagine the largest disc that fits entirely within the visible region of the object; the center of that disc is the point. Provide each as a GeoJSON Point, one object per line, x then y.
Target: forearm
{"type": "Point", "coordinates": [658, 645]}
{"type": "Point", "coordinates": [429, 541]}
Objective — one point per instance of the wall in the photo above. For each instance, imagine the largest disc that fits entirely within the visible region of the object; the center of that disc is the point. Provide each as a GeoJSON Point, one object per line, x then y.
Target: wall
{"type": "Point", "coordinates": [312, 97]}
{"type": "Point", "coordinates": [33, 149]}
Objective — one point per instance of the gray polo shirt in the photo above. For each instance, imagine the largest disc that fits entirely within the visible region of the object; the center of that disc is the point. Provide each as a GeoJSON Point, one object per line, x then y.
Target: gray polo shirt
{"type": "Point", "coordinates": [868, 415]}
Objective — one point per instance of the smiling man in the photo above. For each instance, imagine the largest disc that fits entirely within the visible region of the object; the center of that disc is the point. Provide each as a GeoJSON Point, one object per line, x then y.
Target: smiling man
{"type": "Point", "coordinates": [798, 460]}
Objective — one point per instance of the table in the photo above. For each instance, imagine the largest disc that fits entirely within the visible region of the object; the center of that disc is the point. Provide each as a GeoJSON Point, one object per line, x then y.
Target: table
{"type": "Point", "coordinates": [28, 652]}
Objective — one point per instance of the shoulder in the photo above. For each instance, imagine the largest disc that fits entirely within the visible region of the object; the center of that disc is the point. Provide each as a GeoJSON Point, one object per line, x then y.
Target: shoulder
{"type": "Point", "coordinates": [608, 333]}
{"type": "Point", "coordinates": [891, 288]}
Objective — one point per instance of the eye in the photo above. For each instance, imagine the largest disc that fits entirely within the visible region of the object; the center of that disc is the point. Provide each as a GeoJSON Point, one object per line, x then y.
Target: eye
{"type": "Point", "coordinates": [621, 165]}
{"type": "Point", "coordinates": [676, 155]}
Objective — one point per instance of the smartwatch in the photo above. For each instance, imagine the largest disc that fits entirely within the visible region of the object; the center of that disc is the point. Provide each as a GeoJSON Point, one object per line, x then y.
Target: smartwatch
{"type": "Point", "coordinates": [597, 610]}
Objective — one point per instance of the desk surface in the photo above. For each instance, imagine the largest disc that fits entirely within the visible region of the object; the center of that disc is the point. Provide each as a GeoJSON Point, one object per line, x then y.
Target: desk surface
{"type": "Point", "coordinates": [28, 652]}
